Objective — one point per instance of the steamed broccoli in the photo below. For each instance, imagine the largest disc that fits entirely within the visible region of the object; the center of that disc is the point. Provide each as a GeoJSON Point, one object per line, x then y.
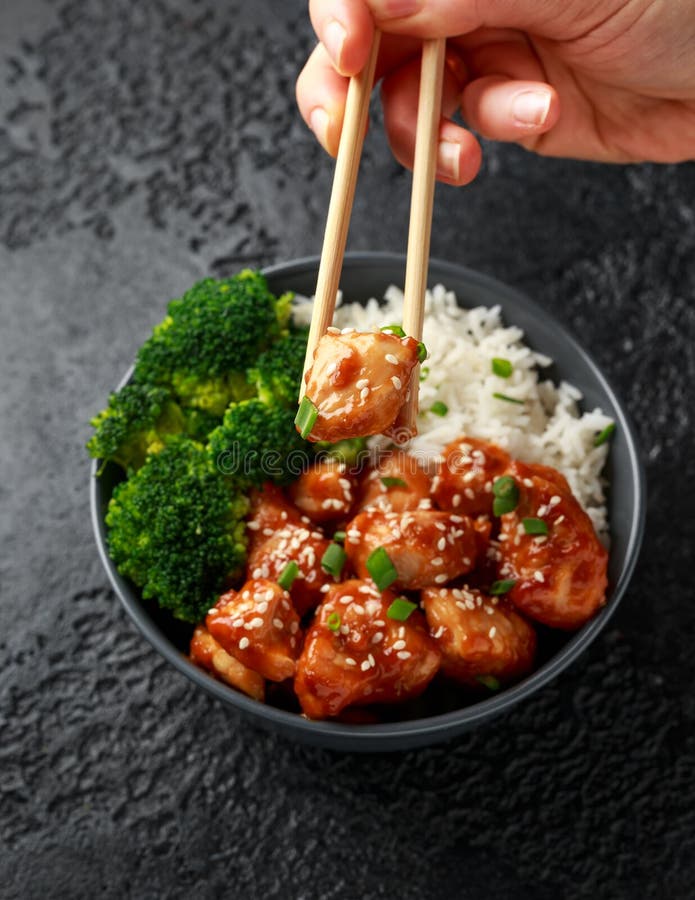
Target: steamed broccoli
{"type": "Point", "coordinates": [257, 442]}
{"type": "Point", "coordinates": [176, 529]}
{"type": "Point", "coordinates": [138, 421]}
{"type": "Point", "coordinates": [277, 373]}
{"type": "Point", "coordinates": [210, 337]}
{"type": "Point", "coordinates": [353, 452]}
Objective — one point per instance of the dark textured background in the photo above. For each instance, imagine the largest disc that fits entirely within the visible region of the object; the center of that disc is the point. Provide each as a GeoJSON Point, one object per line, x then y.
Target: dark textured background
{"type": "Point", "coordinates": [141, 146]}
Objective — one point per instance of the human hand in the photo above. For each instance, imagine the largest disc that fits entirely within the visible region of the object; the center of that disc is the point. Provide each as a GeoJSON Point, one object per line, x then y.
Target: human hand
{"type": "Point", "coordinates": [612, 81]}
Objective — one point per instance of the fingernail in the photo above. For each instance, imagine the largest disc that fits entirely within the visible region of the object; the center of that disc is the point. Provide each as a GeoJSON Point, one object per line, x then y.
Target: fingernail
{"type": "Point", "coordinates": [399, 9]}
{"type": "Point", "coordinates": [448, 159]}
{"type": "Point", "coordinates": [318, 120]}
{"type": "Point", "coordinates": [333, 39]}
{"type": "Point", "coordinates": [530, 108]}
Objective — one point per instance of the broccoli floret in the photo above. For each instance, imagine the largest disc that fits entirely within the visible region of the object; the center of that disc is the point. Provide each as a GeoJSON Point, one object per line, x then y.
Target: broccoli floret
{"type": "Point", "coordinates": [138, 421]}
{"type": "Point", "coordinates": [176, 529]}
{"type": "Point", "coordinates": [199, 423]}
{"type": "Point", "coordinates": [257, 442]}
{"type": "Point", "coordinates": [210, 337]}
{"type": "Point", "coordinates": [278, 371]}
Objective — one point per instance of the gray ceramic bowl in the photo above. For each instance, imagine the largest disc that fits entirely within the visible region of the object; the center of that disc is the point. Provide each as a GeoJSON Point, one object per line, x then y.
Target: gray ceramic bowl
{"type": "Point", "coordinates": [367, 275]}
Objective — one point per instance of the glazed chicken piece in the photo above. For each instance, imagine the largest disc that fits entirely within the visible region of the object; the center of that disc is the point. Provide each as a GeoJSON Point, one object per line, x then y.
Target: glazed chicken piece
{"type": "Point", "coordinates": [464, 481]}
{"type": "Point", "coordinates": [358, 382]}
{"type": "Point", "coordinates": [294, 543]}
{"type": "Point", "coordinates": [398, 483]}
{"type": "Point", "coordinates": [270, 511]}
{"type": "Point", "coordinates": [355, 655]}
{"type": "Point", "coordinates": [427, 547]}
{"type": "Point", "coordinates": [479, 636]}
{"type": "Point", "coordinates": [207, 653]}
{"type": "Point", "coordinates": [325, 492]}
{"type": "Point", "coordinates": [258, 626]}
{"type": "Point", "coordinates": [560, 576]}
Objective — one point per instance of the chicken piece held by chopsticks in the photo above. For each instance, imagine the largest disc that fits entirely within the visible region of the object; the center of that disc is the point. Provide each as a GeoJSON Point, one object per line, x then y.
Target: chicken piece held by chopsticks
{"type": "Point", "coordinates": [357, 384]}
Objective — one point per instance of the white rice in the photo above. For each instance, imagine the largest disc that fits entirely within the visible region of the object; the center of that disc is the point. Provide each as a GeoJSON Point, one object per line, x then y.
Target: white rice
{"type": "Point", "coordinates": [548, 428]}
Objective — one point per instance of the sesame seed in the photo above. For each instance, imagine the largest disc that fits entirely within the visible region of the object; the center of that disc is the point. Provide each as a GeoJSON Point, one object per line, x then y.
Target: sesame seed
{"type": "Point", "coordinates": [268, 532]}
{"type": "Point", "coordinates": [392, 359]}
{"type": "Point", "coordinates": [440, 526]}
{"type": "Point", "coordinates": [278, 623]}
{"type": "Point", "coordinates": [403, 654]}
{"type": "Point", "coordinates": [262, 607]}
{"type": "Point", "coordinates": [440, 579]}
{"type": "Point", "coordinates": [253, 526]}
{"type": "Point", "coordinates": [437, 561]}
{"type": "Point", "coordinates": [469, 476]}
{"type": "Point", "coordinates": [559, 519]}
{"type": "Point", "coordinates": [243, 643]}
{"type": "Point", "coordinates": [256, 622]}
{"type": "Point", "coordinates": [238, 623]}
{"type": "Point", "coordinates": [439, 632]}
{"type": "Point", "coordinates": [212, 610]}
{"type": "Point", "coordinates": [396, 382]}
{"type": "Point", "coordinates": [398, 645]}
{"type": "Point", "coordinates": [554, 500]}
{"type": "Point", "coordinates": [365, 665]}
{"type": "Point", "coordinates": [345, 629]}
{"type": "Point", "coordinates": [349, 661]}
{"type": "Point", "coordinates": [364, 393]}
{"type": "Point", "coordinates": [362, 383]}
{"type": "Point", "coordinates": [470, 493]}
{"type": "Point", "coordinates": [332, 330]}
{"type": "Point", "coordinates": [377, 637]}
{"type": "Point", "coordinates": [528, 482]}
{"type": "Point", "coordinates": [492, 632]}
{"type": "Point", "coordinates": [372, 661]}
{"type": "Point", "coordinates": [456, 500]}
{"type": "Point", "coordinates": [358, 608]}
{"type": "Point", "coordinates": [538, 576]}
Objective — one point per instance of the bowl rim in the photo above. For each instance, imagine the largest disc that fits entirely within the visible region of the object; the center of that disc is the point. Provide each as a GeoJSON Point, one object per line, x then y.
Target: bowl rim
{"type": "Point", "coordinates": [443, 725]}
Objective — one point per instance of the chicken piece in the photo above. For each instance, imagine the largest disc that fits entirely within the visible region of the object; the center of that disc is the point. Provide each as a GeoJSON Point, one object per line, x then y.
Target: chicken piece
{"type": "Point", "coordinates": [354, 654]}
{"type": "Point", "coordinates": [427, 547]}
{"type": "Point", "coordinates": [305, 547]}
{"type": "Point", "coordinates": [325, 492]}
{"type": "Point", "coordinates": [464, 481]}
{"type": "Point", "coordinates": [207, 653]}
{"type": "Point", "coordinates": [270, 511]}
{"type": "Point", "coordinates": [479, 636]}
{"type": "Point", "coordinates": [258, 626]}
{"type": "Point", "coordinates": [560, 577]}
{"type": "Point", "coordinates": [398, 483]}
{"type": "Point", "coordinates": [358, 382]}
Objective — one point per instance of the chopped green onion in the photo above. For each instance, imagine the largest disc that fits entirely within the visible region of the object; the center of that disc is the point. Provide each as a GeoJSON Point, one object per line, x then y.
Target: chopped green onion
{"type": "Point", "coordinates": [535, 526]}
{"type": "Point", "coordinates": [424, 372]}
{"type": "Point", "coordinates": [499, 396]}
{"type": "Point", "coordinates": [421, 352]}
{"type": "Point", "coordinates": [393, 482]}
{"type": "Point", "coordinates": [604, 435]}
{"type": "Point", "coordinates": [439, 408]}
{"type": "Point", "coordinates": [502, 587]}
{"type": "Point", "coordinates": [400, 609]}
{"type": "Point", "coordinates": [288, 574]}
{"type": "Point", "coordinates": [394, 329]}
{"type": "Point", "coordinates": [333, 621]}
{"type": "Point", "coordinates": [502, 367]}
{"type": "Point", "coordinates": [307, 414]}
{"type": "Point", "coordinates": [489, 681]}
{"type": "Point", "coordinates": [381, 568]}
{"type": "Point", "coordinates": [506, 494]}
{"type": "Point", "coordinates": [339, 537]}
{"type": "Point", "coordinates": [333, 560]}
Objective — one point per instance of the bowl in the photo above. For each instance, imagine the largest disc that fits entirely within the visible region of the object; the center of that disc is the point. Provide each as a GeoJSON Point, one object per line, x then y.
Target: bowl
{"type": "Point", "coordinates": [367, 275]}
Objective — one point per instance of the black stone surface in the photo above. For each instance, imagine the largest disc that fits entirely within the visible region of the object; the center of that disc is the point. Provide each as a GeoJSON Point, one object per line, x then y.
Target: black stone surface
{"type": "Point", "coordinates": [143, 145]}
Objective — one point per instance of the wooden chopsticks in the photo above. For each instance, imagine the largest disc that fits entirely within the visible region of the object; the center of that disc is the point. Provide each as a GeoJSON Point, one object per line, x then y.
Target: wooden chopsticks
{"type": "Point", "coordinates": [422, 198]}
{"type": "Point", "coordinates": [340, 205]}
{"type": "Point", "coordinates": [420, 227]}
